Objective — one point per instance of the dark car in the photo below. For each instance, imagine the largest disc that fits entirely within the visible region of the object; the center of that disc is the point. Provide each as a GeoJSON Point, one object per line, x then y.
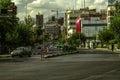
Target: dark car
{"type": "Point", "coordinates": [21, 51]}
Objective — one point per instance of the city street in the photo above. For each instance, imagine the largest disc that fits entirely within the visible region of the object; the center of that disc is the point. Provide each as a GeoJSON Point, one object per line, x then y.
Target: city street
{"type": "Point", "coordinates": [95, 65]}
{"type": "Point", "coordinates": [59, 40]}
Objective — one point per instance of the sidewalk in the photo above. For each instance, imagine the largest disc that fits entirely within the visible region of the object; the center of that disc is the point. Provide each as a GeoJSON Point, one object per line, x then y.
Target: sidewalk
{"type": "Point", "coordinates": [102, 49]}
{"type": "Point", "coordinates": [116, 50]}
{"type": "Point", "coordinates": [59, 54]}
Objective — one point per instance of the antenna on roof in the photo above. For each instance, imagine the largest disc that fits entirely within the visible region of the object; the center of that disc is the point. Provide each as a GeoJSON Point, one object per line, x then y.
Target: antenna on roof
{"type": "Point", "coordinates": [84, 3]}
{"type": "Point", "coordinates": [74, 4]}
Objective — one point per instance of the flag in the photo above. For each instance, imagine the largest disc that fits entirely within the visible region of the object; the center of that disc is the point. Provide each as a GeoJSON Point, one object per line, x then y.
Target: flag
{"type": "Point", "coordinates": [78, 25]}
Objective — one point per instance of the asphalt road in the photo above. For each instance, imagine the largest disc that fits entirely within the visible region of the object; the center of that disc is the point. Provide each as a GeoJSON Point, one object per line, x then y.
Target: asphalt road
{"type": "Point", "coordinates": [68, 67]}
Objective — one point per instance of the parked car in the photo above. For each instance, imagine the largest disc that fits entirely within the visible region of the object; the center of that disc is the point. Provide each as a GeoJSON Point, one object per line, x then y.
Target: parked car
{"type": "Point", "coordinates": [21, 51]}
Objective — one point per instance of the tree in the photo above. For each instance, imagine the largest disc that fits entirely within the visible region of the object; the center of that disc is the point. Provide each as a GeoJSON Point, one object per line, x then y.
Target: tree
{"type": "Point", "coordinates": [117, 8]}
{"type": "Point", "coordinates": [4, 3]}
{"type": "Point", "coordinates": [25, 35]}
{"type": "Point", "coordinates": [115, 24]}
{"type": "Point", "coordinates": [82, 38]}
{"type": "Point", "coordinates": [62, 41]}
{"type": "Point", "coordinates": [29, 21]}
{"type": "Point", "coordinates": [105, 36]}
{"type": "Point", "coordinates": [7, 25]}
{"type": "Point", "coordinates": [115, 28]}
{"type": "Point", "coordinates": [77, 39]}
{"type": "Point", "coordinates": [12, 38]}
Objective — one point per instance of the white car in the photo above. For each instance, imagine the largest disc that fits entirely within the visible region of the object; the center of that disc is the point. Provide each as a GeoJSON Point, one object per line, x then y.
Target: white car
{"type": "Point", "coordinates": [21, 51]}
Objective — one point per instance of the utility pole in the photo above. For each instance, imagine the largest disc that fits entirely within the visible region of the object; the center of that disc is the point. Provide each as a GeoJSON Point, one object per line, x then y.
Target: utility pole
{"type": "Point", "coordinates": [74, 6]}
{"type": "Point", "coordinates": [84, 3]}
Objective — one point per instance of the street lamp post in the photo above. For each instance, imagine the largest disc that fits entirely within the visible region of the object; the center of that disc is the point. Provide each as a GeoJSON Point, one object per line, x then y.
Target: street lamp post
{"type": "Point", "coordinates": [26, 8]}
{"type": "Point", "coordinates": [96, 30]}
{"type": "Point", "coordinates": [43, 46]}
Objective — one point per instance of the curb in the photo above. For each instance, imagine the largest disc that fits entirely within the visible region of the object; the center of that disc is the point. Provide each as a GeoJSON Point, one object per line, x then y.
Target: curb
{"type": "Point", "coordinates": [60, 54]}
{"type": "Point", "coordinates": [104, 49]}
{"type": "Point", "coordinates": [5, 56]}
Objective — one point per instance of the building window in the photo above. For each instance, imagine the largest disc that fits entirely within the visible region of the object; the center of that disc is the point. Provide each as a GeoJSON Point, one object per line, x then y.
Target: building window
{"type": "Point", "coordinates": [72, 23]}
{"type": "Point", "coordinates": [110, 19]}
{"type": "Point", "coordinates": [73, 18]}
{"type": "Point", "coordinates": [111, 13]}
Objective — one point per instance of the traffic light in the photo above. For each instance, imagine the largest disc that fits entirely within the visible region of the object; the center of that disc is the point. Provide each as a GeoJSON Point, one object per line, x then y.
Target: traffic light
{"type": "Point", "coordinates": [14, 9]}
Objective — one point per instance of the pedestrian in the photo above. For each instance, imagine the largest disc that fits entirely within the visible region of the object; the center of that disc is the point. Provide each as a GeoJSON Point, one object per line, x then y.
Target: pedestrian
{"type": "Point", "coordinates": [112, 47]}
{"type": "Point", "coordinates": [47, 49]}
{"type": "Point", "coordinates": [42, 54]}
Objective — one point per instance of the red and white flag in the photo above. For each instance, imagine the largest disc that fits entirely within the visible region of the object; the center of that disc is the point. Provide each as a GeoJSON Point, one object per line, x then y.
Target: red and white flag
{"type": "Point", "coordinates": [78, 25]}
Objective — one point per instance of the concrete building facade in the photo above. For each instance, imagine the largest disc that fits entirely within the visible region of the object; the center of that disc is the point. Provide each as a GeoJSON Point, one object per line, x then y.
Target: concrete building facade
{"type": "Point", "coordinates": [91, 21]}
{"type": "Point", "coordinates": [110, 11]}
{"type": "Point", "coordinates": [39, 20]}
{"type": "Point", "coordinates": [53, 30]}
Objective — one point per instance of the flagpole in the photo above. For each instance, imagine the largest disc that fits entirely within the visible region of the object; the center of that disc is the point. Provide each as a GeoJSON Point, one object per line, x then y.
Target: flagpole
{"type": "Point", "coordinates": [75, 4]}
{"type": "Point", "coordinates": [81, 4]}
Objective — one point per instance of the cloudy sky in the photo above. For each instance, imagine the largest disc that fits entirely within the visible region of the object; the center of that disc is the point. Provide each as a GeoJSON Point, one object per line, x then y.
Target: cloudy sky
{"type": "Point", "coordinates": [45, 6]}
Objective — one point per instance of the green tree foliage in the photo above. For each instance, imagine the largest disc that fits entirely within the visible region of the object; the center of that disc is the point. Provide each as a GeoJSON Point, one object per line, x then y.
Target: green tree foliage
{"type": "Point", "coordinates": [117, 8]}
{"type": "Point", "coordinates": [4, 4]}
{"type": "Point", "coordinates": [29, 21]}
{"type": "Point", "coordinates": [105, 36]}
{"type": "Point", "coordinates": [115, 28]}
{"type": "Point", "coordinates": [7, 25]}
{"type": "Point", "coordinates": [76, 39]}
{"type": "Point", "coordinates": [62, 41]}
{"type": "Point", "coordinates": [12, 38]}
{"type": "Point", "coordinates": [25, 35]}
{"type": "Point", "coordinates": [115, 24]}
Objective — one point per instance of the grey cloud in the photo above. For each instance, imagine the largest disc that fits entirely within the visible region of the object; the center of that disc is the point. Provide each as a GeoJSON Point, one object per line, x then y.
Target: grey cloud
{"type": "Point", "coordinates": [45, 6]}
{"type": "Point", "coordinates": [51, 4]}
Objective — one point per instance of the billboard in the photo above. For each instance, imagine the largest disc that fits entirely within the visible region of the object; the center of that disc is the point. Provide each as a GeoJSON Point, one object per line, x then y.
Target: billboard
{"type": "Point", "coordinates": [78, 25]}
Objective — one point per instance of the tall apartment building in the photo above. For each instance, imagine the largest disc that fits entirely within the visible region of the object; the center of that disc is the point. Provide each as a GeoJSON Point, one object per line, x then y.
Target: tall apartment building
{"type": "Point", "coordinates": [91, 21]}
{"type": "Point", "coordinates": [110, 11]}
{"type": "Point", "coordinates": [52, 28]}
{"type": "Point", "coordinates": [39, 20]}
